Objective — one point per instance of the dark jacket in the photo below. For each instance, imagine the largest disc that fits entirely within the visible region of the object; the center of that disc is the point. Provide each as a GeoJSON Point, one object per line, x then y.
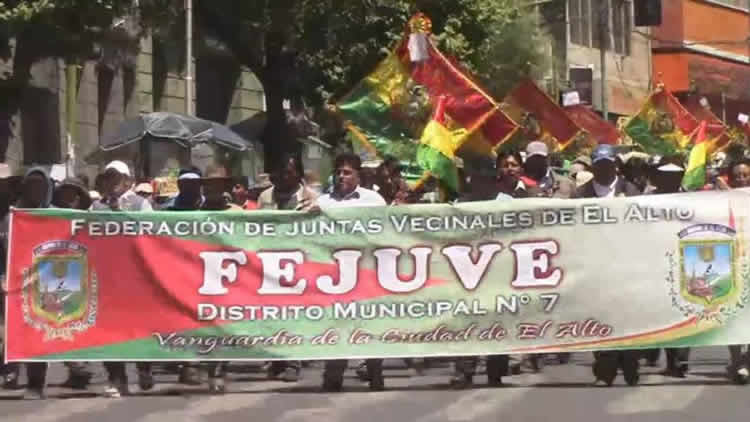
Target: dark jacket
{"type": "Point", "coordinates": [556, 186]}
{"type": "Point", "coordinates": [622, 188]}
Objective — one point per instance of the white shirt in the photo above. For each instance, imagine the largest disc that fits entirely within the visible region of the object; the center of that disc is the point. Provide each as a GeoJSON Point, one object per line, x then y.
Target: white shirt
{"type": "Point", "coordinates": [360, 197]}
{"type": "Point", "coordinates": [605, 191]}
{"type": "Point", "coordinates": [129, 201]}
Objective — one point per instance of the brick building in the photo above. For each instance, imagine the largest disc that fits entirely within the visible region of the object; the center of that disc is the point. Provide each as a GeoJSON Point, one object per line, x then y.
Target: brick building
{"type": "Point", "coordinates": [702, 49]}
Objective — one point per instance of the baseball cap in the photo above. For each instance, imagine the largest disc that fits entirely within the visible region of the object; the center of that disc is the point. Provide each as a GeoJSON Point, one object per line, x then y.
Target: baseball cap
{"type": "Point", "coordinates": [603, 152]}
{"type": "Point", "coordinates": [144, 188]}
{"type": "Point", "coordinates": [189, 173]}
{"type": "Point", "coordinates": [670, 168]}
{"type": "Point", "coordinates": [536, 148]}
{"type": "Point", "coordinates": [583, 160]}
{"type": "Point", "coordinates": [118, 165]}
{"type": "Point", "coordinates": [576, 168]}
{"type": "Point", "coordinates": [671, 164]}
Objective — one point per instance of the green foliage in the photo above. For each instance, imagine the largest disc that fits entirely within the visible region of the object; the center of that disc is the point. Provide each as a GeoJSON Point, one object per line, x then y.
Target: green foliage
{"type": "Point", "coordinates": [337, 42]}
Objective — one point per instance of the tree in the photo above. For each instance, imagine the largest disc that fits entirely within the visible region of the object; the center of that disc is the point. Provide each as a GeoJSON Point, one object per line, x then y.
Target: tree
{"type": "Point", "coordinates": [74, 30]}
{"type": "Point", "coordinates": [316, 50]}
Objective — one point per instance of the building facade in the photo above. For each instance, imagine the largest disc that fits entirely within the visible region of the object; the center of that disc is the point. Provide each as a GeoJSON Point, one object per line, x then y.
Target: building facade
{"type": "Point", "coordinates": [113, 87]}
{"type": "Point", "coordinates": [702, 50]}
{"type": "Point", "coordinates": [576, 33]}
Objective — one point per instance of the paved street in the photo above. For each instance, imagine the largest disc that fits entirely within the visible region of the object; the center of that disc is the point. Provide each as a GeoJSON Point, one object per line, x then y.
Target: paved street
{"type": "Point", "coordinates": [564, 393]}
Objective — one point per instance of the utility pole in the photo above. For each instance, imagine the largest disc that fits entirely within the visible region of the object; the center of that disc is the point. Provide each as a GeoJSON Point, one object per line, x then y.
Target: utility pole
{"type": "Point", "coordinates": [189, 58]}
{"type": "Point", "coordinates": [603, 43]}
{"type": "Point", "coordinates": [71, 109]}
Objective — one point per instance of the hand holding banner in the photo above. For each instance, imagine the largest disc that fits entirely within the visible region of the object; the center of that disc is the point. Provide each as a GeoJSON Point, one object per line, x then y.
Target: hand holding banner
{"type": "Point", "coordinates": [534, 275]}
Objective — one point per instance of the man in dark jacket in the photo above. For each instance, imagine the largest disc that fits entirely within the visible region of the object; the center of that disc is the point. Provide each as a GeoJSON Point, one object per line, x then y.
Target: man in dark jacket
{"type": "Point", "coordinates": [36, 192]}
{"type": "Point", "coordinates": [72, 193]}
{"type": "Point", "coordinates": [538, 174]}
{"type": "Point", "coordinates": [607, 183]}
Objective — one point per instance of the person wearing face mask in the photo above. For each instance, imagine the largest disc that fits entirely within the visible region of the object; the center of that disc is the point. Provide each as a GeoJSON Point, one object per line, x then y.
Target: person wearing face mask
{"type": "Point", "coordinates": [190, 197]}
{"type": "Point", "coordinates": [36, 192]}
{"type": "Point", "coordinates": [607, 183]}
{"type": "Point", "coordinates": [73, 194]}
{"type": "Point", "coordinates": [538, 174]}
{"type": "Point", "coordinates": [116, 185]}
{"type": "Point", "coordinates": [117, 193]}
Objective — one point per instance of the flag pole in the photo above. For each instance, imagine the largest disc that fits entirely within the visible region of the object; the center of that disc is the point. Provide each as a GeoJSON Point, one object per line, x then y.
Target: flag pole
{"type": "Point", "coordinates": [603, 38]}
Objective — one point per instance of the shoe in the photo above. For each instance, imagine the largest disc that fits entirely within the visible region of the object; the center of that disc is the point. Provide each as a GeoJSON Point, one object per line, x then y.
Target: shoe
{"type": "Point", "coordinates": [272, 371]}
{"type": "Point", "coordinates": [537, 363]}
{"type": "Point", "coordinates": [673, 372]}
{"type": "Point", "coordinates": [77, 382]}
{"type": "Point", "coordinates": [217, 385]}
{"type": "Point", "coordinates": [189, 376]}
{"type": "Point", "coordinates": [34, 394]}
{"type": "Point", "coordinates": [333, 384]}
{"type": "Point", "coordinates": [683, 368]}
{"type": "Point", "coordinates": [739, 376]}
{"type": "Point", "coordinates": [145, 381]}
{"type": "Point", "coordinates": [418, 366]}
{"type": "Point", "coordinates": [460, 382]}
{"type": "Point", "coordinates": [362, 373]}
{"type": "Point", "coordinates": [10, 381]}
{"type": "Point", "coordinates": [290, 375]}
{"type": "Point", "coordinates": [377, 383]}
{"type": "Point", "coordinates": [605, 367]}
{"type": "Point", "coordinates": [112, 392]}
{"type": "Point", "coordinates": [563, 358]}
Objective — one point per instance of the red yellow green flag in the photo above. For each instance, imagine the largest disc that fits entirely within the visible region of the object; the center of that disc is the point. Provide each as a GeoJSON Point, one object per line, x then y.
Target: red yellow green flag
{"type": "Point", "coordinates": [390, 111]}
{"type": "Point", "coordinates": [541, 117]}
{"type": "Point", "coordinates": [716, 131]}
{"type": "Point", "coordinates": [695, 174]}
{"type": "Point", "coordinates": [662, 126]}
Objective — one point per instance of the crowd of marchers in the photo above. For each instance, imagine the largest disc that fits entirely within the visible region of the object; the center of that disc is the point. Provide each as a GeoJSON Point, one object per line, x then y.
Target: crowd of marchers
{"type": "Point", "coordinates": [606, 173]}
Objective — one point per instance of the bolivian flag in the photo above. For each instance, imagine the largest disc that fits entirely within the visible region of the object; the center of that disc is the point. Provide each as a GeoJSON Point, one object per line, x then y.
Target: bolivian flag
{"type": "Point", "coordinates": [662, 126]}
{"type": "Point", "coordinates": [695, 174]}
{"type": "Point", "coordinates": [541, 118]}
{"type": "Point", "coordinates": [391, 111]}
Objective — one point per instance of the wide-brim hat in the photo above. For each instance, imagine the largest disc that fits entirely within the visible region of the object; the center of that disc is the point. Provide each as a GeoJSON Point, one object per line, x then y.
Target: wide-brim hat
{"type": "Point", "coordinates": [262, 181]}
{"type": "Point", "coordinates": [78, 185]}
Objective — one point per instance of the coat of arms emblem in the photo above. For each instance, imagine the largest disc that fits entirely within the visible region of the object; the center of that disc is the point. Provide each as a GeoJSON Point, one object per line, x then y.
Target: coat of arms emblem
{"type": "Point", "coordinates": [60, 290]}
{"type": "Point", "coordinates": [710, 278]}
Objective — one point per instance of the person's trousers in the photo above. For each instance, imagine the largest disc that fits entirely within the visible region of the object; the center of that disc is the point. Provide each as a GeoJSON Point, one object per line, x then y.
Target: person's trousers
{"type": "Point", "coordinates": [279, 366]}
{"type": "Point", "coordinates": [737, 358]}
{"type": "Point", "coordinates": [677, 357]}
{"type": "Point", "coordinates": [334, 369]}
{"type": "Point", "coordinates": [79, 369]}
{"type": "Point", "coordinates": [466, 366]}
{"type": "Point", "coordinates": [497, 366]}
{"type": "Point", "coordinates": [117, 371]}
{"type": "Point", "coordinates": [215, 369]}
{"type": "Point", "coordinates": [36, 373]}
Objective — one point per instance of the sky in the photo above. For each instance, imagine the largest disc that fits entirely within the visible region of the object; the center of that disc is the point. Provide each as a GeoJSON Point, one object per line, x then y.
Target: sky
{"type": "Point", "coordinates": [72, 278]}
{"type": "Point", "coordinates": [721, 263]}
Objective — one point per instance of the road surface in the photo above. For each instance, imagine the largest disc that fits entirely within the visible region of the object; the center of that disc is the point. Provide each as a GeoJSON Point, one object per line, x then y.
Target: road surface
{"type": "Point", "coordinates": [561, 393]}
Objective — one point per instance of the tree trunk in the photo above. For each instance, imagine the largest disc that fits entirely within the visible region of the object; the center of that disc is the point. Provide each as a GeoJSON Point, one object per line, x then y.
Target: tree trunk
{"type": "Point", "coordinates": [276, 135]}
{"type": "Point", "coordinates": [12, 89]}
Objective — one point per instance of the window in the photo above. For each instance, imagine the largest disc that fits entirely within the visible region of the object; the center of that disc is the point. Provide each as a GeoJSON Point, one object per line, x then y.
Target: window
{"type": "Point", "coordinates": [585, 29]}
{"type": "Point", "coordinates": [740, 4]}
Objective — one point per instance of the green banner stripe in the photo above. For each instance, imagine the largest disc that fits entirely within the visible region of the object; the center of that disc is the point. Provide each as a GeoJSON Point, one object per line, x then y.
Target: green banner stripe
{"type": "Point", "coordinates": [639, 130]}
